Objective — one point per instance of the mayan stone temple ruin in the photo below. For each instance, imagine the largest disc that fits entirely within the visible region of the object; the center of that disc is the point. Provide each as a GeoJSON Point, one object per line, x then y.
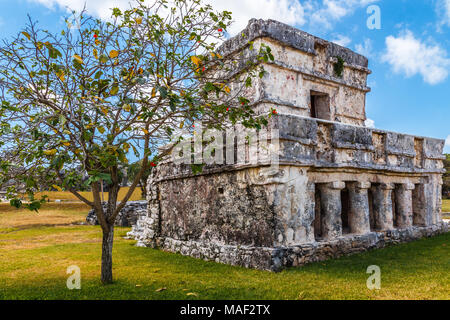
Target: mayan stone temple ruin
{"type": "Point", "coordinates": [340, 188]}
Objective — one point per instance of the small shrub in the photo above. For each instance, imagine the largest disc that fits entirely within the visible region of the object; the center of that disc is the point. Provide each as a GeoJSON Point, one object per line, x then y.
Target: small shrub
{"type": "Point", "coordinates": [339, 67]}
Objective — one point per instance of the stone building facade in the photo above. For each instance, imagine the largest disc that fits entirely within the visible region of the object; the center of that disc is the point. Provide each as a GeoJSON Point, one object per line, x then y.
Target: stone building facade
{"type": "Point", "coordinates": [340, 187]}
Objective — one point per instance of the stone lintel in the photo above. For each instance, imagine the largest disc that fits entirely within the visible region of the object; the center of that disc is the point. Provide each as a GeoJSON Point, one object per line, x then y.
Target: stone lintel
{"type": "Point", "coordinates": [387, 186]}
{"type": "Point", "coordinates": [361, 184]}
{"type": "Point", "coordinates": [337, 185]}
{"type": "Point", "coordinates": [408, 186]}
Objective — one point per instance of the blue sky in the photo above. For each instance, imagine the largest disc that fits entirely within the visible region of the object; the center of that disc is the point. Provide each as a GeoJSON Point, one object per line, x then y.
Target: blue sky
{"type": "Point", "coordinates": [409, 56]}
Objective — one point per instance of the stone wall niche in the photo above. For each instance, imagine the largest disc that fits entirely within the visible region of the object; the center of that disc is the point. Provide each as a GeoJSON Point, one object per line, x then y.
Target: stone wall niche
{"type": "Point", "coordinates": [379, 142]}
{"type": "Point", "coordinates": [317, 214]}
{"type": "Point", "coordinates": [320, 105]}
{"type": "Point", "coordinates": [418, 147]}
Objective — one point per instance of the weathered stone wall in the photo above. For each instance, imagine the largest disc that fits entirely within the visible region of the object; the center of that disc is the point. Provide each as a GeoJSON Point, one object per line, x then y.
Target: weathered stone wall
{"type": "Point", "coordinates": [339, 188]}
{"type": "Point", "coordinates": [225, 211]}
{"type": "Point", "coordinates": [302, 64]}
{"type": "Point", "coordinates": [127, 217]}
{"type": "Point", "coordinates": [287, 88]}
{"type": "Point", "coordinates": [285, 213]}
{"type": "Point", "coordinates": [241, 207]}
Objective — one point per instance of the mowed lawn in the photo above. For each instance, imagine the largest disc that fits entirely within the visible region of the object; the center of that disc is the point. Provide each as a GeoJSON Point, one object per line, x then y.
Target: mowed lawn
{"type": "Point", "coordinates": [68, 196]}
{"type": "Point", "coordinates": [37, 248]}
{"type": "Point", "coordinates": [446, 206]}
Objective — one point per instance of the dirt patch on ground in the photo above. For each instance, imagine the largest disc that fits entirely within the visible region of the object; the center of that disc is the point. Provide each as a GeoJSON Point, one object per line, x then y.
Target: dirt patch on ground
{"type": "Point", "coordinates": [50, 240]}
{"type": "Point", "coordinates": [50, 215]}
{"type": "Point", "coordinates": [38, 225]}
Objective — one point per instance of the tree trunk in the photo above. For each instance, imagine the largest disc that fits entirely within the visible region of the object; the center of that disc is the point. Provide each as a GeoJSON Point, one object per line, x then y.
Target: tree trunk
{"type": "Point", "coordinates": [144, 188]}
{"type": "Point", "coordinates": [107, 246]}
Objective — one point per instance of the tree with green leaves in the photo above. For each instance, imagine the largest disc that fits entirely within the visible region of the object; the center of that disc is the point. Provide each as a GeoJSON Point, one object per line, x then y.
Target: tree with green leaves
{"type": "Point", "coordinates": [134, 169]}
{"type": "Point", "coordinates": [78, 105]}
{"type": "Point", "coordinates": [446, 177]}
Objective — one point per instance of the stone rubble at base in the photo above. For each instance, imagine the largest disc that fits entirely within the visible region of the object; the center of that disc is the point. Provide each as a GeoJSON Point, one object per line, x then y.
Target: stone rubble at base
{"type": "Point", "coordinates": [275, 259]}
{"type": "Point", "coordinates": [127, 217]}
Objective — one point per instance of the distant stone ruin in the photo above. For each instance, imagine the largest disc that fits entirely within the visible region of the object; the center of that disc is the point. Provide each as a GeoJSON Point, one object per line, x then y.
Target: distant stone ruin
{"type": "Point", "coordinates": [127, 217]}
{"type": "Point", "coordinates": [340, 187]}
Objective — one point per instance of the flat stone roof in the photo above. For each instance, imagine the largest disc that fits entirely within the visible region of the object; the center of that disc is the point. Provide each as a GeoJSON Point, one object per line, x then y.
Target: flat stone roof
{"type": "Point", "coordinates": [290, 36]}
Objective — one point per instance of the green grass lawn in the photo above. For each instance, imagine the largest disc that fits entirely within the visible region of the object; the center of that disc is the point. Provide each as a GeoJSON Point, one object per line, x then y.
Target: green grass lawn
{"type": "Point", "coordinates": [446, 205]}
{"type": "Point", "coordinates": [36, 249]}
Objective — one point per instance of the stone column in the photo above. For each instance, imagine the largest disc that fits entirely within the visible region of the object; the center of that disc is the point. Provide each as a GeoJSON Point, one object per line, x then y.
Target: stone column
{"type": "Point", "coordinates": [331, 207]}
{"type": "Point", "coordinates": [420, 212]}
{"type": "Point", "coordinates": [403, 205]}
{"type": "Point", "coordinates": [382, 206]}
{"type": "Point", "coordinates": [359, 214]}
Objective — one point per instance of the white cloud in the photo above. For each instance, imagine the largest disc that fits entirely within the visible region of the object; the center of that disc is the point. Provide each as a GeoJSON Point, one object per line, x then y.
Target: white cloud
{"type": "Point", "coordinates": [447, 141]}
{"type": "Point", "coordinates": [101, 9]}
{"type": "Point", "coordinates": [411, 56]}
{"type": "Point", "coordinates": [330, 11]}
{"type": "Point", "coordinates": [365, 48]}
{"type": "Point", "coordinates": [447, 11]}
{"type": "Point", "coordinates": [342, 40]}
{"type": "Point", "coordinates": [291, 12]}
{"type": "Point", "coordinates": [443, 8]}
{"type": "Point", "coordinates": [369, 123]}
{"type": "Point", "coordinates": [288, 11]}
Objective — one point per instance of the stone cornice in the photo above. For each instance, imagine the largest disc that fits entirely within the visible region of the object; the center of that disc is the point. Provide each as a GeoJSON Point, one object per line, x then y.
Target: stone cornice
{"type": "Point", "coordinates": [292, 37]}
{"type": "Point", "coordinates": [315, 166]}
{"type": "Point", "coordinates": [300, 146]}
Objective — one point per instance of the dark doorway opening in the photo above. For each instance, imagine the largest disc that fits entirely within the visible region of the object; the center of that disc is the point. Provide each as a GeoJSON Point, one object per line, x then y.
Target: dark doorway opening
{"type": "Point", "coordinates": [320, 105]}
{"type": "Point", "coordinates": [318, 215]}
{"type": "Point", "coordinates": [394, 208]}
{"type": "Point", "coordinates": [345, 203]}
{"type": "Point", "coordinates": [371, 212]}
